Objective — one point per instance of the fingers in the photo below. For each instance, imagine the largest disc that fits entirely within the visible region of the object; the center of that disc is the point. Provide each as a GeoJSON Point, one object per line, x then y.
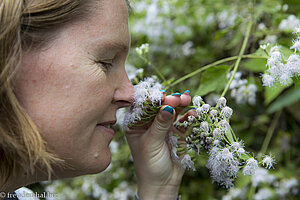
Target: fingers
{"type": "Point", "coordinates": [161, 125]}
{"type": "Point", "coordinates": [186, 115]}
{"type": "Point", "coordinates": [173, 100]}
{"type": "Point", "coordinates": [185, 98]}
{"type": "Point", "coordinates": [177, 99]}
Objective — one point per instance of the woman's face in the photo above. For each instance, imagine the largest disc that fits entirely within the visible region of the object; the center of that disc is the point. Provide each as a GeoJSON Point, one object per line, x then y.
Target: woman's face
{"type": "Point", "coordinates": [71, 95]}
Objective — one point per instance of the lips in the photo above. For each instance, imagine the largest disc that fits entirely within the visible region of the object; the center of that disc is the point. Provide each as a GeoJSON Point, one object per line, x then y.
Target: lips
{"type": "Point", "coordinates": [106, 126]}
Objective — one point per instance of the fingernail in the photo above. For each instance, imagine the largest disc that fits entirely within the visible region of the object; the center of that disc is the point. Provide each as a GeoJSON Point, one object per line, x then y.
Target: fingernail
{"type": "Point", "coordinates": [169, 109]}
{"type": "Point", "coordinates": [187, 92]}
{"type": "Point", "coordinates": [176, 94]}
{"type": "Point", "coordinates": [163, 91]}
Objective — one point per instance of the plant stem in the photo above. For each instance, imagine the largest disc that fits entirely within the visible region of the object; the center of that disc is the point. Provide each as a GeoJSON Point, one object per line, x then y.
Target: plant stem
{"type": "Point", "coordinates": [251, 192]}
{"type": "Point", "coordinates": [270, 133]}
{"type": "Point", "coordinates": [154, 67]}
{"type": "Point", "coordinates": [242, 51]}
{"type": "Point", "coordinates": [212, 65]}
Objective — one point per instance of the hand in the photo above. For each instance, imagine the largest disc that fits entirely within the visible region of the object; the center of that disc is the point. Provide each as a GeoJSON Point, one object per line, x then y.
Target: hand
{"type": "Point", "coordinates": [157, 175]}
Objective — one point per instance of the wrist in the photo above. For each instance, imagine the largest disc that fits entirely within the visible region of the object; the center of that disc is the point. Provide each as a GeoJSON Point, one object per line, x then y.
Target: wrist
{"type": "Point", "coordinates": [165, 192]}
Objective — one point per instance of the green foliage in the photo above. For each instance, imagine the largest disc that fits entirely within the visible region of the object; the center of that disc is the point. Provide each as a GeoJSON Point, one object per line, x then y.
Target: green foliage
{"type": "Point", "coordinates": [213, 79]}
{"type": "Point", "coordinates": [184, 36]}
{"type": "Point", "coordinates": [290, 97]}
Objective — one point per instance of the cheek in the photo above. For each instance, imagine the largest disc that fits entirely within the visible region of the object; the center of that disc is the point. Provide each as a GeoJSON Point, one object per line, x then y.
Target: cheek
{"type": "Point", "coordinates": [65, 103]}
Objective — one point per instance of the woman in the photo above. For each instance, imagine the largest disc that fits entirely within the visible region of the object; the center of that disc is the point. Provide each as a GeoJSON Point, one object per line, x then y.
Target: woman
{"type": "Point", "coordinates": [62, 81]}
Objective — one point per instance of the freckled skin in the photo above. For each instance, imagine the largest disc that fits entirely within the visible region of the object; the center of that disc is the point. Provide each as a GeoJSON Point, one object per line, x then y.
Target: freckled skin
{"type": "Point", "coordinates": [67, 93]}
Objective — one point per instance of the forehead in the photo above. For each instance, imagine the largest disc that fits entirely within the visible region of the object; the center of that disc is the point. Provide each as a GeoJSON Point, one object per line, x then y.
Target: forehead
{"type": "Point", "coordinates": [106, 22]}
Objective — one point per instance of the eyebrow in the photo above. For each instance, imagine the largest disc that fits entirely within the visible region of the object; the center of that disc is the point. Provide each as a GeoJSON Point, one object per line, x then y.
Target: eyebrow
{"type": "Point", "coordinates": [105, 47]}
{"type": "Point", "coordinates": [116, 45]}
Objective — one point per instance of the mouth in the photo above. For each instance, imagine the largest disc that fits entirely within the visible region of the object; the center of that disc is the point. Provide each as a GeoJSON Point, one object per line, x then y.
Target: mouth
{"type": "Point", "coordinates": [107, 126]}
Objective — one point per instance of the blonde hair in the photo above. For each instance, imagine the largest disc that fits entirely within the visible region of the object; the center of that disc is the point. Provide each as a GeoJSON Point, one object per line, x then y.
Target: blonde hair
{"type": "Point", "coordinates": [25, 24]}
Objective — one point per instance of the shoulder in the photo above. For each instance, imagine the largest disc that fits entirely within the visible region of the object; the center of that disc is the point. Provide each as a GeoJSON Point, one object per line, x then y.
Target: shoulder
{"type": "Point", "coordinates": [24, 193]}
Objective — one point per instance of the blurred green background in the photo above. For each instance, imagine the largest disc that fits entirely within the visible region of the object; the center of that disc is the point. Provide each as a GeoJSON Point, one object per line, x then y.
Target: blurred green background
{"type": "Point", "coordinates": [185, 35]}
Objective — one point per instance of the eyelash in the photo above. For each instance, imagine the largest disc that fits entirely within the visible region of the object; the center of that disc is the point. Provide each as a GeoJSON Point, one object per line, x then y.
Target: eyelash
{"type": "Point", "coordinates": [106, 65]}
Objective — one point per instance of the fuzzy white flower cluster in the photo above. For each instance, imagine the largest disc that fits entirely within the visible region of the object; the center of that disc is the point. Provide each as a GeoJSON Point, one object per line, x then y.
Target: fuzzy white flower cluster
{"type": "Point", "coordinates": [143, 49]}
{"type": "Point", "coordinates": [241, 91]}
{"type": "Point", "coordinates": [280, 71]}
{"type": "Point", "coordinates": [267, 186]}
{"type": "Point", "coordinates": [147, 101]}
{"type": "Point", "coordinates": [284, 187]}
{"type": "Point", "coordinates": [235, 193]}
{"type": "Point", "coordinates": [289, 24]}
{"type": "Point", "coordinates": [88, 187]}
{"type": "Point", "coordinates": [262, 176]}
{"type": "Point", "coordinates": [133, 73]}
{"type": "Point", "coordinates": [210, 131]}
{"type": "Point", "coordinates": [263, 194]}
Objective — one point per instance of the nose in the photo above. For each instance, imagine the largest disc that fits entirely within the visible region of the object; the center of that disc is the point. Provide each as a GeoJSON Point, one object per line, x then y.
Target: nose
{"type": "Point", "coordinates": [124, 92]}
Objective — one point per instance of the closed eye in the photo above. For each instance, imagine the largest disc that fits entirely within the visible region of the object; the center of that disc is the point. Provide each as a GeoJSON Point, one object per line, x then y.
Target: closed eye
{"type": "Point", "coordinates": [107, 64]}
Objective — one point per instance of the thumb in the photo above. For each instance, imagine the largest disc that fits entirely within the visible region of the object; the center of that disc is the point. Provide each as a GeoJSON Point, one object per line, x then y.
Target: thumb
{"type": "Point", "coordinates": [162, 123]}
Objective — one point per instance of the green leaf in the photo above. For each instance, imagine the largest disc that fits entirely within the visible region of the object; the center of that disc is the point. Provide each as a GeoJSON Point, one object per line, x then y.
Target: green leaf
{"type": "Point", "coordinates": [213, 79]}
{"type": "Point", "coordinates": [245, 156]}
{"type": "Point", "coordinates": [229, 136]}
{"type": "Point", "coordinates": [256, 65]}
{"type": "Point", "coordinates": [272, 92]}
{"type": "Point", "coordinates": [289, 98]}
{"type": "Point", "coordinates": [296, 81]}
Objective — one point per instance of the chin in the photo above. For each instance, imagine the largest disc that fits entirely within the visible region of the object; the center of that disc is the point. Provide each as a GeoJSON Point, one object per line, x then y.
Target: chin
{"type": "Point", "coordinates": [100, 164]}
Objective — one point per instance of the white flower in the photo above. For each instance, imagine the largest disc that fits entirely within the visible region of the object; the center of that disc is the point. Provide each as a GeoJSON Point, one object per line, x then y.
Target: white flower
{"type": "Point", "coordinates": [268, 161]}
{"type": "Point", "coordinates": [226, 112]}
{"type": "Point", "coordinates": [204, 126]}
{"type": "Point", "coordinates": [197, 101]}
{"type": "Point", "coordinates": [133, 72]}
{"type": "Point", "coordinates": [223, 166]}
{"type": "Point", "coordinates": [268, 80]}
{"type": "Point", "coordinates": [217, 134]}
{"type": "Point", "coordinates": [224, 126]}
{"type": "Point", "coordinates": [202, 111]}
{"type": "Point", "coordinates": [237, 145]}
{"type": "Point", "coordinates": [289, 24]}
{"type": "Point", "coordinates": [143, 49]}
{"type": "Point", "coordinates": [263, 194]}
{"type": "Point", "coordinates": [227, 155]}
{"type": "Point", "coordinates": [173, 143]}
{"type": "Point", "coordinates": [262, 176]}
{"type": "Point", "coordinates": [272, 39]}
{"type": "Point", "coordinates": [216, 142]}
{"type": "Point", "coordinates": [275, 56]}
{"type": "Point", "coordinates": [187, 163]}
{"type": "Point", "coordinates": [251, 166]}
{"type": "Point", "coordinates": [185, 124]}
{"type": "Point", "coordinates": [221, 102]}
{"type": "Point", "coordinates": [240, 151]}
{"type": "Point", "coordinates": [293, 64]}
{"type": "Point", "coordinates": [296, 45]}
{"type": "Point", "coordinates": [214, 115]}
{"type": "Point", "coordinates": [206, 108]}
{"type": "Point", "coordinates": [263, 46]}
{"type": "Point", "coordinates": [261, 26]}
{"type": "Point", "coordinates": [156, 95]}
{"type": "Point", "coordinates": [191, 118]}
{"type": "Point", "coordinates": [297, 30]}
{"type": "Point", "coordinates": [285, 7]}
{"type": "Point", "coordinates": [285, 186]}
{"type": "Point", "coordinates": [145, 91]}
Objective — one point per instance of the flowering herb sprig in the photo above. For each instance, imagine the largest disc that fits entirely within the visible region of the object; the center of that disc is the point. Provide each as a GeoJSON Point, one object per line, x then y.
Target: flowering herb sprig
{"type": "Point", "coordinates": [209, 131]}
{"type": "Point", "coordinates": [280, 69]}
{"type": "Point", "coordinates": [147, 102]}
